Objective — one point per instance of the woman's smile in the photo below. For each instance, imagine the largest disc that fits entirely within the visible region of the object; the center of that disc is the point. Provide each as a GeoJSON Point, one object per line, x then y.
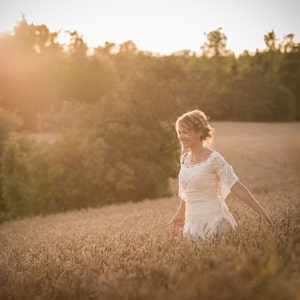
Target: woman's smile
{"type": "Point", "coordinates": [184, 142]}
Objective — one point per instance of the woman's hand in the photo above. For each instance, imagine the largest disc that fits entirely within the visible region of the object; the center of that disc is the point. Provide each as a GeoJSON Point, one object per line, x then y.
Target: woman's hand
{"type": "Point", "coordinates": [178, 223]}
{"type": "Point", "coordinates": [266, 219]}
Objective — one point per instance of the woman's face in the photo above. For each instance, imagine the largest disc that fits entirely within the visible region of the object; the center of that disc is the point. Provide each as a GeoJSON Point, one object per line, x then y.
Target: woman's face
{"type": "Point", "coordinates": [187, 137]}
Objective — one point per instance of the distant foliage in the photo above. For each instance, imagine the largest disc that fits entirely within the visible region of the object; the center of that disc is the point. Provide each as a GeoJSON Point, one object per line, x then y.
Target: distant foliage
{"type": "Point", "coordinates": [103, 162]}
{"type": "Point", "coordinates": [37, 74]}
{"type": "Point", "coordinates": [255, 98]}
{"type": "Point", "coordinates": [9, 122]}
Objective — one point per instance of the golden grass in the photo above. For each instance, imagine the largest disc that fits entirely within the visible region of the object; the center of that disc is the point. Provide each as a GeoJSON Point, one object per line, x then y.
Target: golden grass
{"type": "Point", "coordinates": [128, 252]}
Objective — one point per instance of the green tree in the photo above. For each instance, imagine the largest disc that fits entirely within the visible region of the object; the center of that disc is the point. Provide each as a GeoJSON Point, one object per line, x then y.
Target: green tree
{"type": "Point", "coordinates": [255, 98]}
{"type": "Point", "coordinates": [289, 74]}
{"type": "Point", "coordinates": [271, 41]}
{"type": "Point", "coordinates": [13, 179]}
{"type": "Point", "coordinates": [9, 123]}
{"type": "Point", "coordinates": [216, 44]}
{"type": "Point", "coordinates": [288, 45]}
{"type": "Point", "coordinates": [30, 72]}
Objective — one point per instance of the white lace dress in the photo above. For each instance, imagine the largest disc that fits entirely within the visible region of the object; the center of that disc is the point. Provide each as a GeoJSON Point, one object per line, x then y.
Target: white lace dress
{"type": "Point", "coordinates": [204, 187]}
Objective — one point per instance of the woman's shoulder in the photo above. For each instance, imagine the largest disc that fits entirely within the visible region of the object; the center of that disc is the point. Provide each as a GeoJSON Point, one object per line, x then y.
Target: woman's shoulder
{"type": "Point", "coordinates": [216, 157]}
{"type": "Point", "coordinates": [213, 153]}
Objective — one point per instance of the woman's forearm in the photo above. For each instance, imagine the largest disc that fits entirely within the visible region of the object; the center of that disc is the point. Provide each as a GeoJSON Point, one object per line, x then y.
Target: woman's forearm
{"type": "Point", "coordinates": [243, 193]}
{"type": "Point", "coordinates": [181, 209]}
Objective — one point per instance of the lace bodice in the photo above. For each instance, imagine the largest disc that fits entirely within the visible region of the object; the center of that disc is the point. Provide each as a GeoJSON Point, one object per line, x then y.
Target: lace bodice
{"type": "Point", "coordinates": [204, 187]}
{"type": "Point", "coordinates": [210, 179]}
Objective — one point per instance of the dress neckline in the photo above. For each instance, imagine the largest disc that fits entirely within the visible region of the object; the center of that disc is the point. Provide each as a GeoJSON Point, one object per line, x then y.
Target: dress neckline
{"type": "Point", "coordinates": [201, 162]}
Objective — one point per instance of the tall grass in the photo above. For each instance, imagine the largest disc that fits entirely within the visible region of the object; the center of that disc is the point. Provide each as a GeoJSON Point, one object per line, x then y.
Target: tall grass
{"type": "Point", "coordinates": [128, 251]}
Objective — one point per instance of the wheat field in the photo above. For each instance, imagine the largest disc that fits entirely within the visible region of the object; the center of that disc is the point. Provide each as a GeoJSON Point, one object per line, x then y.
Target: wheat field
{"type": "Point", "coordinates": [128, 251]}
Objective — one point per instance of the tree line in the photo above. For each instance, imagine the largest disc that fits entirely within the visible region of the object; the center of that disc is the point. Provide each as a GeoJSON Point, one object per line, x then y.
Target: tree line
{"type": "Point", "coordinates": [112, 112]}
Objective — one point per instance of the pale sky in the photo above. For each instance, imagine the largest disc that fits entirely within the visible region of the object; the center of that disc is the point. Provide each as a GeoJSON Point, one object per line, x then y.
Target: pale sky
{"type": "Point", "coordinates": [160, 26]}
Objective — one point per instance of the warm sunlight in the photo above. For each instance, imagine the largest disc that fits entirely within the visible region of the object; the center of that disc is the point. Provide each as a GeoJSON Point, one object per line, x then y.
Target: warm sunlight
{"type": "Point", "coordinates": [64, 38]}
{"type": "Point", "coordinates": [149, 149]}
{"type": "Point", "coordinates": [161, 27]}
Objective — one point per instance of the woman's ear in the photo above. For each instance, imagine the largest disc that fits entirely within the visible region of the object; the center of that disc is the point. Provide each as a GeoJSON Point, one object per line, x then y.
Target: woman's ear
{"type": "Point", "coordinates": [199, 134]}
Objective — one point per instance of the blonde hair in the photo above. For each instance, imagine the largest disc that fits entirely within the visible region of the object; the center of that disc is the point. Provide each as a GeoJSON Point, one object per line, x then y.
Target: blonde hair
{"type": "Point", "coordinates": [196, 120]}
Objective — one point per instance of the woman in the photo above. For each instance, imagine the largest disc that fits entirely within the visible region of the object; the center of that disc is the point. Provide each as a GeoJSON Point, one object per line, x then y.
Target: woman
{"type": "Point", "coordinates": [205, 180]}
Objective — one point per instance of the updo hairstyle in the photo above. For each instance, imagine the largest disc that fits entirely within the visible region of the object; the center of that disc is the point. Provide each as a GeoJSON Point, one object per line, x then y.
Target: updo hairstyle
{"type": "Point", "coordinates": [196, 120]}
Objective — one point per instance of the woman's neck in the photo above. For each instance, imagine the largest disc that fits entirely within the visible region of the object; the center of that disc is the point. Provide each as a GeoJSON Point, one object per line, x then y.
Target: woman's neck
{"type": "Point", "coordinates": [197, 148]}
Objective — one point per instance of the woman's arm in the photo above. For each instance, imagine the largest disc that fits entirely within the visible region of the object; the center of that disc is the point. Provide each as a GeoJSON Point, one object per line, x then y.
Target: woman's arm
{"type": "Point", "coordinates": [239, 190]}
{"type": "Point", "coordinates": [178, 220]}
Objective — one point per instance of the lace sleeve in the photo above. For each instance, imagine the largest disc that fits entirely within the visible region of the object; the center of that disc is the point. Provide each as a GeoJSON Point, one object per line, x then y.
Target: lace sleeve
{"type": "Point", "coordinates": [226, 175]}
